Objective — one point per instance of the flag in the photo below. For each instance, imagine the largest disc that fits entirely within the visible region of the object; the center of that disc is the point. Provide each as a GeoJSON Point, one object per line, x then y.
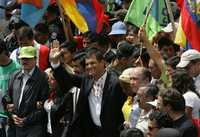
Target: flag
{"type": "Point", "coordinates": [72, 12]}
{"type": "Point", "coordinates": [31, 15]}
{"type": "Point", "coordinates": [36, 3]}
{"type": "Point", "coordinates": [157, 18]}
{"type": "Point", "coordinates": [189, 25]}
{"type": "Point", "coordinates": [85, 14]}
{"type": "Point", "coordinates": [180, 35]}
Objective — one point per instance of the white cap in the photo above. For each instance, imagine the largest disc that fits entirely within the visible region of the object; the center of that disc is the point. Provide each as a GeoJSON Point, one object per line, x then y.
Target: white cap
{"type": "Point", "coordinates": [126, 74]}
{"type": "Point", "coordinates": [118, 28]}
{"type": "Point", "coordinates": [169, 27]}
{"type": "Point", "coordinates": [187, 56]}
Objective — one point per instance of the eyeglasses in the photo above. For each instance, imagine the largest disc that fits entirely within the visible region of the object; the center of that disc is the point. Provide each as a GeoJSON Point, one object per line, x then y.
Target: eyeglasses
{"type": "Point", "coordinates": [151, 128]}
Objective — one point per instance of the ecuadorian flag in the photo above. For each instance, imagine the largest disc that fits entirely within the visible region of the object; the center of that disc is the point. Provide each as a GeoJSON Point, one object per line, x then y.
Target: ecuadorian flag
{"type": "Point", "coordinates": [188, 31]}
{"type": "Point", "coordinates": [85, 14]}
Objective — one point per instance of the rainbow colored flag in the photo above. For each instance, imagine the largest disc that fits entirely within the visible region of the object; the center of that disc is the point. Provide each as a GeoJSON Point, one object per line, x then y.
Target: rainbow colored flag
{"type": "Point", "coordinates": [85, 14]}
{"type": "Point", "coordinates": [31, 13]}
{"type": "Point", "coordinates": [188, 31]}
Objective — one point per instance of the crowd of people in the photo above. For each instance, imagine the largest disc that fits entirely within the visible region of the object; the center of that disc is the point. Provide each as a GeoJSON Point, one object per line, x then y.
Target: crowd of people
{"type": "Point", "coordinates": [116, 83]}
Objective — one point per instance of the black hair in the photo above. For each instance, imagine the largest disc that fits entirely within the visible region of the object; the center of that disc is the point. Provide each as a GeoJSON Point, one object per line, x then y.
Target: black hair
{"type": "Point", "coordinates": [25, 32]}
{"type": "Point", "coordinates": [146, 74]}
{"type": "Point", "coordinates": [16, 24]}
{"type": "Point", "coordinates": [152, 91]}
{"type": "Point", "coordinates": [103, 40]}
{"type": "Point", "coordinates": [164, 41]}
{"type": "Point", "coordinates": [132, 132]}
{"type": "Point", "coordinates": [182, 81]}
{"type": "Point", "coordinates": [173, 98]}
{"type": "Point", "coordinates": [94, 51]}
{"type": "Point", "coordinates": [42, 28]}
{"type": "Point", "coordinates": [162, 119]}
{"type": "Point", "coordinates": [110, 56]}
{"type": "Point", "coordinates": [3, 47]}
{"type": "Point", "coordinates": [92, 36]}
{"type": "Point", "coordinates": [71, 46]}
{"type": "Point", "coordinates": [81, 57]}
{"type": "Point", "coordinates": [173, 61]}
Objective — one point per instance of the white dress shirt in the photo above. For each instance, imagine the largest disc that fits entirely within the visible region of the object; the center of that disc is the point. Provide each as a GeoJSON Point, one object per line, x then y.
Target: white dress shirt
{"type": "Point", "coordinates": [95, 99]}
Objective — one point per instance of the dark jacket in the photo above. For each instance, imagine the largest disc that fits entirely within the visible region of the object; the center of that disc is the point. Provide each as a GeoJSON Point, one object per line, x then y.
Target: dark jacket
{"type": "Point", "coordinates": [111, 116]}
{"type": "Point", "coordinates": [36, 89]}
{"type": "Point", "coordinates": [185, 126]}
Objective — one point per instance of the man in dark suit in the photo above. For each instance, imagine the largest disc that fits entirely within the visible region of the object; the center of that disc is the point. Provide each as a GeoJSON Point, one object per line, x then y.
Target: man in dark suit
{"type": "Point", "coordinates": [28, 89]}
{"type": "Point", "coordinates": [98, 112]}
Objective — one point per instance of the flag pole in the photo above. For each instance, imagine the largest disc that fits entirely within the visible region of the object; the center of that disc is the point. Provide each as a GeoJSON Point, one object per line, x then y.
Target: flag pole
{"type": "Point", "coordinates": [63, 20]}
{"type": "Point", "coordinates": [144, 25]}
{"type": "Point", "coordinates": [171, 17]}
{"type": "Point", "coordinates": [148, 13]}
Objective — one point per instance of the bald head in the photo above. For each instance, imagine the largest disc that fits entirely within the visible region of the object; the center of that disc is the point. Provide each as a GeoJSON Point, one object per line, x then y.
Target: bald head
{"type": "Point", "coordinates": [140, 76]}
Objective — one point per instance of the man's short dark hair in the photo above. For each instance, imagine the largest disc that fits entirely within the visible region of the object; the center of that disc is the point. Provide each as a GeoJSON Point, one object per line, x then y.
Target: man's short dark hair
{"type": "Point", "coordinates": [132, 132]}
{"type": "Point", "coordinates": [92, 36]}
{"type": "Point", "coordinates": [3, 47]}
{"type": "Point", "coordinates": [173, 61]}
{"type": "Point", "coordinates": [164, 41]}
{"type": "Point", "coordinates": [147, 74]}
{"type": "Point", "coordinates": [152, 91]}
{"type": "Point", "coordinates": [70, 46]}
{"type": "Point", "coordinates": [81, 57]}
{"type": "Point", "coordinates": [110, 56]}
{"type": "Point", "coordinates": [183, 82]}
{"type": "Point", "coordinates": [94, 51]}
{"type": "Point", "coordinates": [162, 119]}
{"type": "Point", "coordinates": [42, 28]}
{"type": "Point", "coordinates": [173, 98]}
{"type": "Point", "coordinates": [25, 32]}
{"type": "Point", "coordinates": [103, 40]}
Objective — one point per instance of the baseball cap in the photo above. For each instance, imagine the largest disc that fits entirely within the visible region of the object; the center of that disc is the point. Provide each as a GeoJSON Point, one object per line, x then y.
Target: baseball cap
{"type": "Point", "coordinates": [27, 52]}
{"type": "Point", "coordinates": [187, 56]}
{"type": "Point", "coordinates": [118, 28]}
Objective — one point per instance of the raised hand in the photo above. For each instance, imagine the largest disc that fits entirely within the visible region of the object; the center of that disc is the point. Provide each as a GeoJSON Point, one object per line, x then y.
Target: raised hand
{"type": "Point", "coordinates": [55, 53]}
{"type": "Point", "coordinates": [142, 35]}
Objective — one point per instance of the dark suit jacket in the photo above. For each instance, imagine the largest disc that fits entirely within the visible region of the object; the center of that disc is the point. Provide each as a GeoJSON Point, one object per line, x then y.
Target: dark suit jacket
{"type": "Point", "coordinates": [113, 99]}
{"type": "Point", "coordinates": [36, 89]}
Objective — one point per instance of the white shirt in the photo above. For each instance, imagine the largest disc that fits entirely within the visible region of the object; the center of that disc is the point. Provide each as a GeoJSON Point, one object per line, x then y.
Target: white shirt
{"type": "Point", "coordinates": [75, 91]}
{"type": "Point", "coordinates": [24, 81]}
{"type": "Point", "coordinates": [142, 122]}
{"type": "Point", "coordinates": [95, 99]}
{"type": "Point", "coordinates": [47, 106]}
{"type": "Point", "coordinates": [193, 101]}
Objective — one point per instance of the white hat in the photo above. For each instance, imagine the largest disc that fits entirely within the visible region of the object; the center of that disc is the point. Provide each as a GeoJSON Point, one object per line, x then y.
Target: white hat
{"type": "Point", "coordinates": [126, 74]}
{"type": "Point", "coordinates": [118, 28]}
{"type": "Point", "coordinates": [169, 27]}
{"type": "Point", "coordinates": [153, 103]}
{"type": "Point", "coordinates": [187, 56]}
